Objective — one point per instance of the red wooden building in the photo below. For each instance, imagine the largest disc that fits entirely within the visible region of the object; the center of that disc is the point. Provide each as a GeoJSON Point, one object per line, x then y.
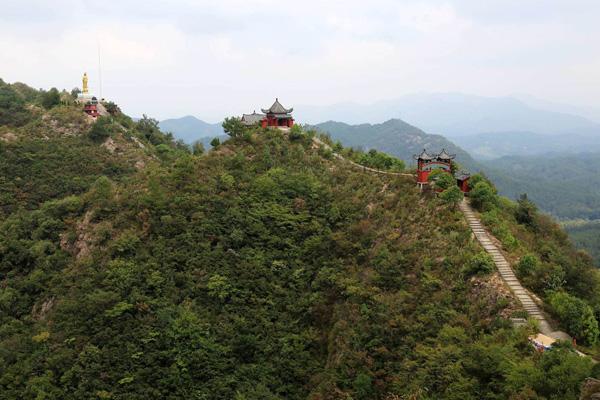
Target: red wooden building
{"type": "Point", "coordinates": [429, 162]}
{"type": "Point", "coordinates": [91, 107]}
{"type": "Point", "coordinates": [276, 116]}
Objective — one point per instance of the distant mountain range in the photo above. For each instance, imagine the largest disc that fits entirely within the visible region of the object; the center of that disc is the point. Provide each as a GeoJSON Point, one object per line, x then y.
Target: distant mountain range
{"type": "Point", "coordinates": [454, 114]}
{"type": "Point", "coordinates": [487, 127]}
{"type": "Point", "coordinates": [190, 129]}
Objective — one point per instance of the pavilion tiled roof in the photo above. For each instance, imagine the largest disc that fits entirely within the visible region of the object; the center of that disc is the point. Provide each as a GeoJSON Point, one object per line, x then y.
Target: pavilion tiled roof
{"type": "Point", "coordinates": [423, 156]}
{"type": "Point", "coordinates": [445, 156]}
{"type": "Point", "coordinates": [277, 108]}
{"type": "Point", "coordinates": [251, 119]}
{"type": "Point", "coordinates": [462, 175]}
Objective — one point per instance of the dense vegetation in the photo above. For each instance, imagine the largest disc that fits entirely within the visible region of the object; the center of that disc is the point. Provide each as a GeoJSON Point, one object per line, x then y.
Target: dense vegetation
{"type": "Point", "coordinates": [263, 269]}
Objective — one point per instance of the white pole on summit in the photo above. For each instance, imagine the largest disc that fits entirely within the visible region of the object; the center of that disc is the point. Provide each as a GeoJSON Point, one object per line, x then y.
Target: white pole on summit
{"type": "Point", "coordinates": [99, 70]}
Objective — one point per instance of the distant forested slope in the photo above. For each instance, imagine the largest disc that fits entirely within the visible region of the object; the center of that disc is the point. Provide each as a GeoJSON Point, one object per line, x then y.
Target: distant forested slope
{"type": "Point", "coordinates": [191, 129]}
{"type": "Point", "coordinates": [395, 137]}
{"type": "Point", "coordinates": [567, 186]}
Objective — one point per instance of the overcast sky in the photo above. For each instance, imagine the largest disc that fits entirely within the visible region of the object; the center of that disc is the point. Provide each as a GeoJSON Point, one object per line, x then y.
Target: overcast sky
{"type": "Point", "coordinates": [222, 57]}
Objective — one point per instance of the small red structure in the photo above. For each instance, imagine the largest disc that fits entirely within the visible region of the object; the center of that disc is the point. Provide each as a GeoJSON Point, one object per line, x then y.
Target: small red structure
{"type": "Point", "coordinates": [91, 107]}
{"type": "Point", "coordinates": [427, 163]}
{"type": "Point", "coordinates": [276, 116]}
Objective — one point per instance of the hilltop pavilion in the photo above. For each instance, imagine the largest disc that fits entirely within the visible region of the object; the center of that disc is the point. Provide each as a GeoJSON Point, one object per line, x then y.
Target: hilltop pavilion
{"type": "Point", "coordinates": [276, 116]}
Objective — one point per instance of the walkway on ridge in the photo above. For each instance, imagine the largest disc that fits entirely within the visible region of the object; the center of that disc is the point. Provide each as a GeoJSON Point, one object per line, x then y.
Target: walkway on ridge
{"type": "Point", "coordinates": [485, 239]}
{"type": "Point", "coordinates": [357, 165]}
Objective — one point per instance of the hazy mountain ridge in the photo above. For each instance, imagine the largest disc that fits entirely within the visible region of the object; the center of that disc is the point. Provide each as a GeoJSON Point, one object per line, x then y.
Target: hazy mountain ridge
{"type": "Point", "coordinates": [455, 114]}
{"type": "Point", "coordinates": [499, 144]}
{"type": "Point", "coordinates": [190, 129]}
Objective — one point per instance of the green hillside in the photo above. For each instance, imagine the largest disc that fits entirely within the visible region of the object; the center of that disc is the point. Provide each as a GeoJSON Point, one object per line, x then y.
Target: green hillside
{"type": "Point", "coordinates": [565, 186]}
{"type": "Point", "coordinates": [264, 269]}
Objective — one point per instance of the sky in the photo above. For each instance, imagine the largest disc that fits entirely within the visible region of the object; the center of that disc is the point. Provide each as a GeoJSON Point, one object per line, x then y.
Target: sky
{"type": "Point", "coordinates": [217, 58]}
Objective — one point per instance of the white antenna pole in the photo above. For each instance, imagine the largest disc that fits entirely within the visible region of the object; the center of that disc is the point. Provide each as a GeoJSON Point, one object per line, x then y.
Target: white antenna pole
{"type": "Point", "coordinates": [99, 68]}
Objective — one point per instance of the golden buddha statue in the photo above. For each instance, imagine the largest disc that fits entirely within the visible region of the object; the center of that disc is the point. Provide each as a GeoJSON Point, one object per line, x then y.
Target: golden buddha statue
{"type": "Point", "coordinates": [85, 83]}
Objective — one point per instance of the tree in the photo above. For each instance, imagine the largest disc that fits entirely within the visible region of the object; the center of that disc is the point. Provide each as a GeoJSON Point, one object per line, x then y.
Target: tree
{"type": "Point", "coordinates": [149, 129]}
{"type": "Point", "coordinates": [12, 106]}
{"type": "Point", "coordinates": [75, 93]}
{"type": "Point", "coordinates": [50, 98]}
{"type": "Point", "coordinates": [215, 142]}
{"type": "Point", "coordinates": [526, 212]}
{"type": "Point", "coordinates": [452, 196]}
{"type": "Point", "coordinates": [112, 108]}
{"type": "Point", "coordinates": [234, 127]}
{"type": "Point", "coordinates": [198, 148]}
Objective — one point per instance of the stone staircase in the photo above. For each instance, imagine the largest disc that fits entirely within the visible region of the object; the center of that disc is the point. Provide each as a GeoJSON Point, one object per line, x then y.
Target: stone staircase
{"type": "Point", "coordinates": [507, 274]}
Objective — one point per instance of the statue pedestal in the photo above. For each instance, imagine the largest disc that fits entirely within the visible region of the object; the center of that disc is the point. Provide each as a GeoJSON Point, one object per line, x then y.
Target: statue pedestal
{"type": "Point", "coordinates": [84, 97]}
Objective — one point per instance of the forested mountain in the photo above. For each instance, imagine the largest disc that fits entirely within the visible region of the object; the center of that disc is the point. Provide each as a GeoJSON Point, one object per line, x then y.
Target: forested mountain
{"type": "Point", "coordinates": [266, 268]}
{"type": "Point", "coordinates": [395, 137]}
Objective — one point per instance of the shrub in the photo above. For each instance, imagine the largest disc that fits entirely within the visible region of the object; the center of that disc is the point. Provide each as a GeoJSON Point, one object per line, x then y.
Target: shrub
{"type": "Point", "coordinates": [483, 196]}
{"type": "Point", "coordinates": [441, 179]}
{"type": "Point", "coordinates": [102, 129]}
{"type": "Point", "coordinates": [527, 265]}
{"type": "Point", "coordinates": [479, 264]}
{"type": "Point", "coordinates": [295, 132]}
{"type": "Point", "coordinates": [452, 196]}
{"type": "Point", "coordinates": [379, 160]}
{"type": "Point", "coordinates": [215, 142]}
{"type": "Point", "coordinates": [576, 315]}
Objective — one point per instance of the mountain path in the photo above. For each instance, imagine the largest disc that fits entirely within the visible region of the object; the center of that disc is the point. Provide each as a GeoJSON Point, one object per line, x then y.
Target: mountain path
{"type": "Point", "coordinates": [507, 274]}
